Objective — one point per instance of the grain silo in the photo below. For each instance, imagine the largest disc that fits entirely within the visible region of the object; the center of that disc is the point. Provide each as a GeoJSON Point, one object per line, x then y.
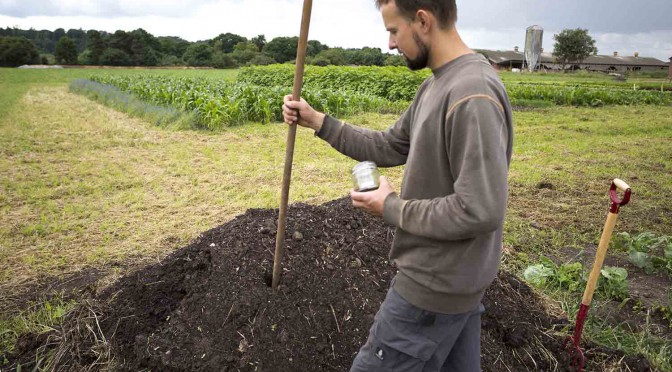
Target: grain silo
{"type": "Point", "coordinates": [534, 35]}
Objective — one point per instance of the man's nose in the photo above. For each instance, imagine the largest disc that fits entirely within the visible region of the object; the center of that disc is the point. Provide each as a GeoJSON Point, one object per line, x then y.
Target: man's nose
{"type": "Point", "coordinates": [392, 43]}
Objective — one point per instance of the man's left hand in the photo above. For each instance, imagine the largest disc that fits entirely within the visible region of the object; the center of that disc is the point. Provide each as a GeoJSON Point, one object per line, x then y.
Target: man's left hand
{"type": "Point", "coordinates": [372, 201]}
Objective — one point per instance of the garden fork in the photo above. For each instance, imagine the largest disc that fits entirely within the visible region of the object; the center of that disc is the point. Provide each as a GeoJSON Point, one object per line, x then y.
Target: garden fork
{"type": "Point", "coordinates": [571, 343]}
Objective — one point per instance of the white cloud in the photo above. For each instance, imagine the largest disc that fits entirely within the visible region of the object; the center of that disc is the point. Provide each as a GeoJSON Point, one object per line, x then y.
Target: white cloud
{"type": "Point", "coordinates": [345, 23]}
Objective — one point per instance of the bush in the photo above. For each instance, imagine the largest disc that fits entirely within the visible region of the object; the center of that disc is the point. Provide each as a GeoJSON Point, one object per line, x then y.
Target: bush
{"type": "Point", "coordinates": [319, 61]}
{"type": "Point", "coordinates": [223, 60]}
{"type": "Point", "coordinates": [115, 57]}
{"type": "Point", "coordinates": [198, 55]}
{"type": "Point", "coordinates": [170, 60]}
{"type": "Point", "coordinates": [262, 60]}
{"type": "Point", "coordinates": [85, 58]}
{"type": "Point", "coordinates": [17, 51]}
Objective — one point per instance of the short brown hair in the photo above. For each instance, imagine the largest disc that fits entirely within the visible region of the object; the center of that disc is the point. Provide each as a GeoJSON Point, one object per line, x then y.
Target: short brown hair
{"type": "Point", "coordinates": [445, 11]}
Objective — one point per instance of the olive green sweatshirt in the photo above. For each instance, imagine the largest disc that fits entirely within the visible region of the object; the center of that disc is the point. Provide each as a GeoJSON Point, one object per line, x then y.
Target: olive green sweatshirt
{"type": "Point", "coordinates": [455, 140]}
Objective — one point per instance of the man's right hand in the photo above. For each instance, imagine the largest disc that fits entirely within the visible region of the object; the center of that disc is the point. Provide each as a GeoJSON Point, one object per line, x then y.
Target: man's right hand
{"type": "Point", "coordinates": [307, 116]}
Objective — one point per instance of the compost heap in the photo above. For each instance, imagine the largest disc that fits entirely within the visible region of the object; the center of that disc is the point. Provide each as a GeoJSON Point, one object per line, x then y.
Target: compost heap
{"type": "Point", "coordinates": [209, 306]}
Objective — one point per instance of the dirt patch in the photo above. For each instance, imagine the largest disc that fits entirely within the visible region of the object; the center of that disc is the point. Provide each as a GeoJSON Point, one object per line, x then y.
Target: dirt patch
{"type": "Point", "coordinates": [208, 306]}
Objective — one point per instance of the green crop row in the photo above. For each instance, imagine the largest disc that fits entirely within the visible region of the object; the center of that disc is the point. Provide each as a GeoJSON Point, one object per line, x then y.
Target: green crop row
{"type": "Point", "coordinates": [392, 82]}
{"type": "Point", "coordinates": [398, 83]}
{"type": "Point", "coordinates": [220, 103]}
{"type": "Point", "coordinates": [587, 96]}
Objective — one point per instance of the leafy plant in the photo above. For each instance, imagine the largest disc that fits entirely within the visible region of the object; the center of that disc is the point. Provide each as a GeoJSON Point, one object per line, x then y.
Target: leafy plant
{"type": "Point", "coordinates": [613, 282]}
{"type": "Point", "coordinates": [549, 275]}
{"type": "Point", "coordinates": [647, 251]}
{"type": "Point", "coordinates": [571, 277]}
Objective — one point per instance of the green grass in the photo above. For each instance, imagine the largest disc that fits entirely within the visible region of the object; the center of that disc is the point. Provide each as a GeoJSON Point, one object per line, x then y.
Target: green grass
{"type": "Point", "coordinates": [84, 186]}
{"type": "Point", "coordinates": [643, 340]}
{"type": "Point", "coordinates": [41, 317]}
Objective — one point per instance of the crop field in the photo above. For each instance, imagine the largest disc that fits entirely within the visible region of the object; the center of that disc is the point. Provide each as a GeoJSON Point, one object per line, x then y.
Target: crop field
{"type": "Point", "coordinates": [117, 180]}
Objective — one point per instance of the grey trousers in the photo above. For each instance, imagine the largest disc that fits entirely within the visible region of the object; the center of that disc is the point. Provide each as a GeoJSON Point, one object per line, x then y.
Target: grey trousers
{"type": "Point", "coordinates": [406, 338]}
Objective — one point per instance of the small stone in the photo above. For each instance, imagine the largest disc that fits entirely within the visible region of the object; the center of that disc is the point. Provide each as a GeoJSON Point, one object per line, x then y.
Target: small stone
{"type": "Point", "coordinates": [212, 244]}
{"type": "Point", "coordinates": [297, 236]}
{"type": "Point", "coordinates": [330, 267]}
{"type": "Point", "coordinates": [283, 337]}
{"type": "Point", "coordinates": [243, 346]}
{"type": "Point", "coordinates": [268, 227]}
{"type": "Point", "coordinates": [356, 263]}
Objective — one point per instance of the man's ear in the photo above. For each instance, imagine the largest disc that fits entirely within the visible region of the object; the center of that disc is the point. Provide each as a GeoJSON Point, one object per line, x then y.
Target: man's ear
{"type": "Point", "coordinates": [423, 18]}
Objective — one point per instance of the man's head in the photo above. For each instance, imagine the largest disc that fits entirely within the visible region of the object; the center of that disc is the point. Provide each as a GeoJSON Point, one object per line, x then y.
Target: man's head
{"type": "Point", "coordinates": [410, 23]}
{"type": "Point", "coordinates": [445, 11]}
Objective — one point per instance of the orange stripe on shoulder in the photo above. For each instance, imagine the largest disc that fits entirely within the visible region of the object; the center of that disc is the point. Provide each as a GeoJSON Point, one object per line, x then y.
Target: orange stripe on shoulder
{"type": "Point", "coordinates": [462, 100]}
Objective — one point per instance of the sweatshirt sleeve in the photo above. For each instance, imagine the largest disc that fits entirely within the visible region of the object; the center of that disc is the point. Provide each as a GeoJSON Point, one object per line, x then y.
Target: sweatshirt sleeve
{"type": "Point", "coordinates": [477, 143]}
{"type": "Point", "coordinates": [387, 148]}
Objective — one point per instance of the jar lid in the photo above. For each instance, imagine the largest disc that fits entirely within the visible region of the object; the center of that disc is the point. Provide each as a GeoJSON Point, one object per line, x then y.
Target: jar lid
{"type": "Point", "coordinates": [363, 165]}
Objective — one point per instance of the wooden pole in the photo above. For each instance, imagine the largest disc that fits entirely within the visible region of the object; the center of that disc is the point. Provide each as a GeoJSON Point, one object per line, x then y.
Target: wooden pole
{"type": "Point", "coordinates": [291, 139]}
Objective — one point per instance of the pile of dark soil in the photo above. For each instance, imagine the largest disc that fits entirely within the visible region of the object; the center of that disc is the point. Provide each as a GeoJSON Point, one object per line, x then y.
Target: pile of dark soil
{"type": "Point", "coordinates": [209, 306]}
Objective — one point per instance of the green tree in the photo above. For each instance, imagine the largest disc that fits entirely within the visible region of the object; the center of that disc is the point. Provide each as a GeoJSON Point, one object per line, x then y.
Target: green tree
{"type": "Point", "coordinates": [222, 60]}
{"type": "Point", "coordinates": [78, 37]}
{"type": "Point", "coordinates": [573, 46]}
{"type": "Point", "coordinates": [121, 40]}
{"type": "Point", "coordinates": [333, 56]}
{"type": "Point", "coordinates": [96, 46]}
{"type": "Point", "coordinates": [262, 60]}
{"type": "Point", "coordinates": [244, 52]}
{"type": "Point", "coordinates": [313, 48]}
{"type": "Point", "coordinates": [229, 41]}
{"type": "Point", "coordinates": [17, 51]}
{"type": "Point", "coordinates": [66, 51]}
{"type": "Point", "coordinates": [173, 45]}
{"type": "Point", "coordinates": [259, 41]}
{"type": "Point", "coordinates": [115, 57]}
{"type": "Point", "coordinates": [199, 54]}
{"type": "Point", "coordinates": [170, 60]}
{"type": "Point", "coordinates": [365, 57]}
{"type": "Point", "coordinates": [84, 58]}
{"type": "Point", "coordinates": [282, 49]}
{"type": "Point", "coordinates": [57, 35]}
{"type": "Point", "coordinates": [394, 60]}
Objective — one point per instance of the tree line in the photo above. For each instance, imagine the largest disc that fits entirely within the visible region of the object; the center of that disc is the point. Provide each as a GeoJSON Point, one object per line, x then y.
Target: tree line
{"type": "Point", "coordinates": [140, 48]}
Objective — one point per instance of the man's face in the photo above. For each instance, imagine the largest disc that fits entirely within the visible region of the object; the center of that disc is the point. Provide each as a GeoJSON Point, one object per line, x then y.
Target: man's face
{"type": "Point", "coordinates": [404, 37]}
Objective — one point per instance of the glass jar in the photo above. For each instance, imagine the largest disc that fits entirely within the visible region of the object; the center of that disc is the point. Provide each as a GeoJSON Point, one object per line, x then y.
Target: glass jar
{"type": "Point", "coordinates": [365, 176]}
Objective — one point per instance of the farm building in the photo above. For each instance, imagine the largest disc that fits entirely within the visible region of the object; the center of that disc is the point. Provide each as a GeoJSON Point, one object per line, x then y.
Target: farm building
{"type": "Point", "coordinates": [613, 63]}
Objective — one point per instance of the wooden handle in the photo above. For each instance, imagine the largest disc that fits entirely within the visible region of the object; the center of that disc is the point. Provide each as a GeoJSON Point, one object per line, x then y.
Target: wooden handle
{"type": "Point", "coordinates": [291, 139]}
{"type": "Point", "coordinates": [599, 258]}
{"type": "Point", "coordinates": [621, 185]}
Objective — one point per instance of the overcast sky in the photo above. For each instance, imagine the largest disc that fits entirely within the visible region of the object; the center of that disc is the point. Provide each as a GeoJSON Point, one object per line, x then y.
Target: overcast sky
{"type": "Point", "coordinates": [626, 26]}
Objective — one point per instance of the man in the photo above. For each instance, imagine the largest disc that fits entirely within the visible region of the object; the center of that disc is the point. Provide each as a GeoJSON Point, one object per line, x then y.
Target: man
{"type": "Point", "coordinates": [455, 140]}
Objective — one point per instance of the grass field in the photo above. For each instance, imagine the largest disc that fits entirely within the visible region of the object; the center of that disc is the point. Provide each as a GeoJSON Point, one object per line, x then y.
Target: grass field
{"type": "Point", "coordinates": [85, 187]}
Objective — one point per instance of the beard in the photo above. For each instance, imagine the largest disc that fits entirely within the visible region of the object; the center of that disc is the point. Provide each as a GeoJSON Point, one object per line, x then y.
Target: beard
{"type": "Point", "coordinates": [421, 61]}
